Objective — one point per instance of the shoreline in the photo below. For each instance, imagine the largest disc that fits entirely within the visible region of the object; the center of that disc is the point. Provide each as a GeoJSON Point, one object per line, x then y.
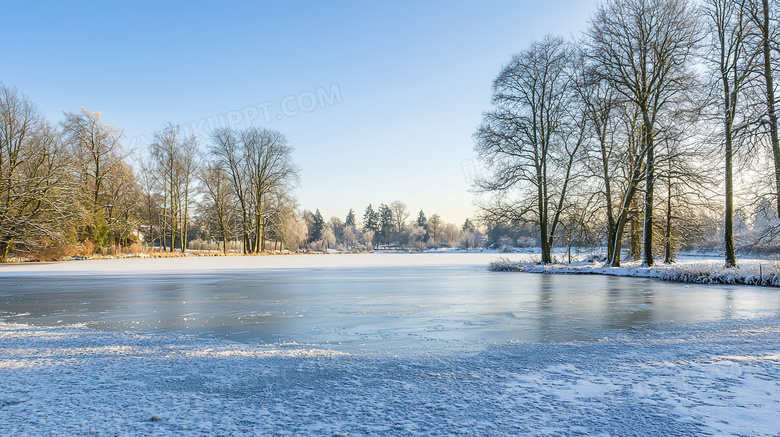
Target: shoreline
{"type": "Point", "coordinates": [686, 272]}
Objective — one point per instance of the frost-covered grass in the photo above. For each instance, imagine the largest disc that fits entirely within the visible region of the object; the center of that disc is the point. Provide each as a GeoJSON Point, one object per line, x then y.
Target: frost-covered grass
{"type": "Point", "coordinates": [709, 379]}
{"type": "Point", "coordinates": [690, 270]}
{"type": "Point", "coordinates": [764, 274]}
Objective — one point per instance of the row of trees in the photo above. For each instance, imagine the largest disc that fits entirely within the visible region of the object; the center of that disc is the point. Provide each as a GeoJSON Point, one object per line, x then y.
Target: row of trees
{"type": "Point", "coordinates": [73, 182]}
{"type": "Point", "coordinates": [65, 182]}
{"type": "Point", "coordinates": [635, 128]}
{"type": "Point", "coordinates": [388, 226]}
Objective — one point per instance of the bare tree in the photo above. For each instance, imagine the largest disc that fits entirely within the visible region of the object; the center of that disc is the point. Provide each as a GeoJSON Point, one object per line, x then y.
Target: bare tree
{"type": "Point", "coordinates": [761, 13]}
{"type": "Point", "coordinates": [228, 154]}
{"type": "Point", "coordinates": [215, 187]}
{"type": "Point", "coordinates": [99, 156]}
{"type": "Point", "coordinates": [282, 219]}
{"type": "Point", "coordinates": [734, 61]}
{"type": "Point", "coordinates": [645, 49]}
{"type": "Point", "coordinates": [258, 163]}
{"type": "Point", "coordinates": [400, 214]}
{"type": "Point", "coordinates": [686, 173]}
{"type": "Point", "coordinates": [96, 147]}
{"type": "Point", "coordinates": [268, 158]}
{"type": "Point", "coordinates": [150, 199]}
{"type": "Point", "coordinates": [35, 192]}
{"type": "Point", "coordinates": [531, 140]}
{"type": "Point", "coordinates": [435, 225]}
{"type": "Point", "coordinates": [173, 158]}
{"type": "Point", "coordinates": [123, 192]}
{"type": "Point", "coordinates": [599, 101]}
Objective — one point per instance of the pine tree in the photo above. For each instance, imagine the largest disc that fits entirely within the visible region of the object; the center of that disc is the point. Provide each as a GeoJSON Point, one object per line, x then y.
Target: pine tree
{"type": "Point", "coordinates": [386, 223]}
{"type": "Point", "coordinates": [350, 218]}
{"type": "Point", "coordinates": [423, 223]}
{"type": "Point", "coordinates": [370, 220]}
{"type": "Point", "coordinates": [319, 225]}
{"type": "Point", "coordinates": [421, 220]}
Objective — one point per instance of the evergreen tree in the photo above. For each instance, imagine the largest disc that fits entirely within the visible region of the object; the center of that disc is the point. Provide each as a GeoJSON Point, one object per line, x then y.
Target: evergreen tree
{"type": "Point", "coordinates": [350, 218]}
{"type": "Point", "coordinates": [370, 220]}
{"type": "Point", "coordinates": [467, 225]}
{"type": "Point", "coordinates": [386, 223]}
{"type": "Point", "coordinates": [421, 220]}
{"type": "Point", "coordinates": [423, 223]}
{"type": "Point", "coordinates": [317, 228]}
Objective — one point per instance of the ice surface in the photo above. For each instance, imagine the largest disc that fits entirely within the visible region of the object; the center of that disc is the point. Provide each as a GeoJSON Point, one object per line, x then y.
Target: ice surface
{"type": "Point", "coordinates": [380, 303]}
{"type": "Point", "coordinates": [606, 356]}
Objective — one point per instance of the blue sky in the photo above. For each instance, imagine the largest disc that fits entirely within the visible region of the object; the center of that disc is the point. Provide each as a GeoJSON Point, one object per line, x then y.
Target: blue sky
{"type": "Point", "coordinates": [401, 85]}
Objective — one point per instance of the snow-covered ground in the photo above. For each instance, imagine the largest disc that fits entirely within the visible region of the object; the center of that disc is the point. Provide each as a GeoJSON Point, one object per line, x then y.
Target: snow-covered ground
{"type": "Point", "coordinates": [709, 379]}
{"type": "Point", "coordinates": [199, 264]}
{"type": "Point", "coordinates": [699, 270]}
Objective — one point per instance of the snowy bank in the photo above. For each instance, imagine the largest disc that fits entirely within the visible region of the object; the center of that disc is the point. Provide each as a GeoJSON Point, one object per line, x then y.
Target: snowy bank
{"type": "Point", "coordinates": [709, 379]}
{"type": "Point", "coordinates": [753, 272]}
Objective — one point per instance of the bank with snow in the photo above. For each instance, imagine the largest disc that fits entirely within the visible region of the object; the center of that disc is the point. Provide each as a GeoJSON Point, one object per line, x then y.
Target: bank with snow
{"type": "Point", "coordinates": [696, 271]}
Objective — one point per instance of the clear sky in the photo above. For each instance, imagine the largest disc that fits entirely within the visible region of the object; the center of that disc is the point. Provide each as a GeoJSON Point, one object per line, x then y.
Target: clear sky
{"type": "Point", "coordinates": [379, 99]}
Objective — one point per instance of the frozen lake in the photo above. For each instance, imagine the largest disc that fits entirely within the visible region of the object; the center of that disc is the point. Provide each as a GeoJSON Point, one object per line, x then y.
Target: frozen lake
{"type": "Point", "coordinates": [376, 303]}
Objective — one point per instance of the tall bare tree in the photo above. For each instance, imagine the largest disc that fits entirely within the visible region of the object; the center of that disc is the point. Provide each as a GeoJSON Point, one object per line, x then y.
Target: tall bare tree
{"type": "Point", "coordinates": [629, 167]}
{"type": "Point", "coordinates": [258, 162]}
{"type": "Point", "coordinates": [762, 15]}
{"type": "Point", "coordinates": [269, 165]}
{"type": "Point", "coordinates": [227, 153]}
{"type": "Point", "coordinates": [400, 214]}
{"type": "Point", "coordinates": [734, 61]}
{"type": "Point", "coordinates": [531, 140]}
{"type": "Point", "coordinates": [599, 101]}
{"type": "Point", "coordinates": [216, 189]}
{"type": "Point", "coordinates": [173, 157]}
{"type": "Point", "coordinates": [646, 49]}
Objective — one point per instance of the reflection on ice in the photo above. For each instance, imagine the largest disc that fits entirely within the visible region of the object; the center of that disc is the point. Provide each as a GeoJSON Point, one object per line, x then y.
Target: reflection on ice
{"type": "Point", "coordinates": [381, 302]}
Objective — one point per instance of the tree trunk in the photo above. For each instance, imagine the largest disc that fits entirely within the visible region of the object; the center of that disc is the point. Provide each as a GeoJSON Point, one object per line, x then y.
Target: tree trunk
{"type": "Point", "coordinates": [647, 259]}
{"type": "Point", "coordinates": [186, 224]}
{"type": "Point", "coordinates": [617, 244]}
{"type": "Point", "coordinates": [729, 105]}
{"type": "Point", "coordinates": [731, 258]}
{"type": "Point", "coordinates": [611, 225]}
{"type": "Point", "coordinates": [770, 98]}
{"type": "Point", "coordinates": [628, 203]}
{"type": "Point", "coordinates": [258, 232]}
{"type": "Point", "coordinates": [668, 232]}
{"type": "Point", "coordinates": [635, 243]}
{"type": "Point", "coordinates": [546, 253]}
{"type": "Point", "coordinates": [262, 235]}
{"type": "Point", "coordinates": [4, 248]}
{"type": "Point", "coordinates": [545, 242]}
{"type": "Point", "coordinates": [542, 202]}
{"type": "Point", "coordinates": [163, 236]}
{"type": "Point", "coordinates": [173, 220]}
{"type": "Point", "coordinates": [635, 237]}
{"type": "Point", "coordinates": [245, 228]}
